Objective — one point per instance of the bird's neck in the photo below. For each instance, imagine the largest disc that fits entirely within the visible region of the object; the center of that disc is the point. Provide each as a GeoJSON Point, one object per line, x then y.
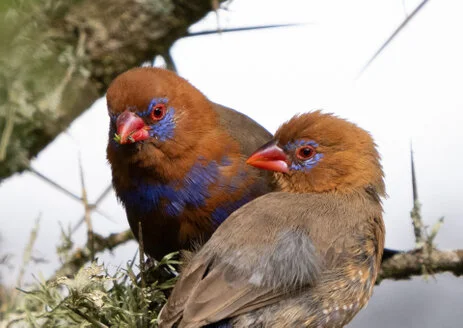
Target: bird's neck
{"type": "Point", "coordinates": [371, 191]}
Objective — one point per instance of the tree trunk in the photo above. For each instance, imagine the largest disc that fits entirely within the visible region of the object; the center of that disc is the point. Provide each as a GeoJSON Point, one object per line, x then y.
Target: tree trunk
{"type": "Point", "coordinates": [58, 56]}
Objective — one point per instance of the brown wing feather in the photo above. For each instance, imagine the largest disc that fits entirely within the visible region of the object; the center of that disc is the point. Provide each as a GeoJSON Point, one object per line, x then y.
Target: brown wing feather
{"type": "Point", "coordinates": [188, 282]}
{"type": "Point", "coordinates": [220, 294]}
{"type": "Point", "coordinates": [248, 133]}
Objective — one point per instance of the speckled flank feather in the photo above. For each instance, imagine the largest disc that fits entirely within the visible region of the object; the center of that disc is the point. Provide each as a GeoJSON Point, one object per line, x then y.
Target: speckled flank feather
{"type": "Point", "coordinates": [307, 256]}
{"type": "Point", "coordinates": [189, 175]}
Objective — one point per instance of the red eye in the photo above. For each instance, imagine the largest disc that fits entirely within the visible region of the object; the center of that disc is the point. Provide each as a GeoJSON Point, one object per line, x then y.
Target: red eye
{"type": "Point", "coordinates": [158, 112]}
{"type": "Point", "coordinates": [305, 152]}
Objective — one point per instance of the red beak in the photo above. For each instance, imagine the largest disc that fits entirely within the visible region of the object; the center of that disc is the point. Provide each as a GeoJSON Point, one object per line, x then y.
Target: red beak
{"type": "Point", "coordinates": [130, 128]}
{"type": "Point", "coordinates": [269, 157]}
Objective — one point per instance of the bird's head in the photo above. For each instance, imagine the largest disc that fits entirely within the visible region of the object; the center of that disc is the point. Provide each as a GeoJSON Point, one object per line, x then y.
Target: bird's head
{"type": "Point", "coordinates": [318, 152]}
{"type": "Point", "coordinates": [155, 111]}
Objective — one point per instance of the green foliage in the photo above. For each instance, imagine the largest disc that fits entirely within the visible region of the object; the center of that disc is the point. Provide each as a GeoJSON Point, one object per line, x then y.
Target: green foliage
{"type": "Point", "coordinates": [93, 298]}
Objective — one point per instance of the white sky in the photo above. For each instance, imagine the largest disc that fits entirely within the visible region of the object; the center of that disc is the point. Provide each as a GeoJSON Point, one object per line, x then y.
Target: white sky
{"type": "Point", "coordinates": [413, 91]}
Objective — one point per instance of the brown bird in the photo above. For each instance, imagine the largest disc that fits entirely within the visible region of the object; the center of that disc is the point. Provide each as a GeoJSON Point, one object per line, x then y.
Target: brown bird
{"type": "Point", "coordinates": [178, 159]}
{"type": "Point", "coordinates": [306, 256]}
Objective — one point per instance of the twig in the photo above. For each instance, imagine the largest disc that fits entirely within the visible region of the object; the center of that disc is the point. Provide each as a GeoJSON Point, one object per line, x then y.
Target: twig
{"type": "Point", "coordinates": [27, 255]}
{"type": "Point", "coordinates": [28, 251]}
{"type": "Point", "coordinates": [94, 207]}
{"type": "Point", "coordinates": [87, 212]}
{"type": "Point", "coordinates": [88, 318]}
{"type": "Point", "coordinates": [7, 131]}
{"type": "Point", "coordinates": [54, 184]}
{"type": "Point", "coordinates": [74, 196]}
{"type": "Point", "coordinates": [416, 211]}
{"type": "Point", "coordinates": [82, 256]}
{"type": "Point", "coordinates": [141, 251]}
{"type": "Point", "coordinates": [393, 35]}
{"type": "Point", "coordinates": [215, 8]}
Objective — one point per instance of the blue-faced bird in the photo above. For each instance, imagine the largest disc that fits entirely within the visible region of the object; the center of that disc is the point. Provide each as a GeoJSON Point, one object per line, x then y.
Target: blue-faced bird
{"type": "Point", "coordinates": [304, 256]}
{"type": "Point", "coordinates": [178, 159]}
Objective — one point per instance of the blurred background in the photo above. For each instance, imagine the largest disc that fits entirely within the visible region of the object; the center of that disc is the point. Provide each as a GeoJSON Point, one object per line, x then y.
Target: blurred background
{"type": "Point", "coordinates": [411, 93]}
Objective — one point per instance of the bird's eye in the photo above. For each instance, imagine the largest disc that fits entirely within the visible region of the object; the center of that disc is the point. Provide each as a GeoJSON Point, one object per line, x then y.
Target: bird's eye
{"type": "Point", "coordinates": [306, 152]}
{"type": "Point", "coordinates": [158, 112]}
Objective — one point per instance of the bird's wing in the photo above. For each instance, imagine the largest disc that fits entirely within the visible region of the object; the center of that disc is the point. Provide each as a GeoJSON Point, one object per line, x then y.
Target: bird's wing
{"type": "Point", "coordinates": [248, 133]}
{"type": "Point", "coordinates": [259, 254]}
{"type": "Point", "coordinates": [212, 296]}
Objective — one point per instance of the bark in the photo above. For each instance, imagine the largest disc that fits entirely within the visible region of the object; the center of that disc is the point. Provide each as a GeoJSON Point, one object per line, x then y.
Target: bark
{"type": "Point", "coordinates": [59, 57]}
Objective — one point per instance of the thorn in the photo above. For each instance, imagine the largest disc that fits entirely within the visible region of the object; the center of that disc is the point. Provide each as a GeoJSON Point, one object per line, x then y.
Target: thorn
{"type": "Point", "coordinates": [54, 184]}
{"type": "Point", "coordinates": [242, 29]}
{"type": "Point", "coordinates": [415, 213]}
{"type": "Point", "coordinates": [393, 35]}
{"type": "Point", "coordinates": [414, 185]}
{"type": "Point", "coordinates": [170, 63]}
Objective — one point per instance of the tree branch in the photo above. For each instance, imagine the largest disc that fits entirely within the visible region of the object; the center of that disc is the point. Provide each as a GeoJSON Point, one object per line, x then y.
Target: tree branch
{"type": "Point", "coordinates": [405, 265]}
{"type": "Point", "coordinates": [398, 267]}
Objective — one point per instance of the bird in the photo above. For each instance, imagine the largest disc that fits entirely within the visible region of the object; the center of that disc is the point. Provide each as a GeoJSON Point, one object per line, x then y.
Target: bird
{"type": "Point", "coordinates": [178, 159]}
{"type": "Point", "coordinates": [306, 255]}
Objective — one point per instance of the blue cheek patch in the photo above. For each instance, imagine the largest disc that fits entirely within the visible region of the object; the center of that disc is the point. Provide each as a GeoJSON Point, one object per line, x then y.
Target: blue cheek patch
{"type": "Point", "coordinates": [308, 164]}
{"type": "Point", "coordinates": [164, 129]}
{"type": "Point", "coordinates": [303, 165]}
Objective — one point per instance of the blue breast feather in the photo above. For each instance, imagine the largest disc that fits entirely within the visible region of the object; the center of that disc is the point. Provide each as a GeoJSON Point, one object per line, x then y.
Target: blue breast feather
{"type": "Point", "coordinates": [193, 190]}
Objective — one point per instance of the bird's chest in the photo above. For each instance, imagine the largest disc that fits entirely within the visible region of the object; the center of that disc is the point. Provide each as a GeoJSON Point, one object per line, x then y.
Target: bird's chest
{"type": "Point", "coordinates": [170, 200]}
{"type": "Point", "coordinates": [204, 191]}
